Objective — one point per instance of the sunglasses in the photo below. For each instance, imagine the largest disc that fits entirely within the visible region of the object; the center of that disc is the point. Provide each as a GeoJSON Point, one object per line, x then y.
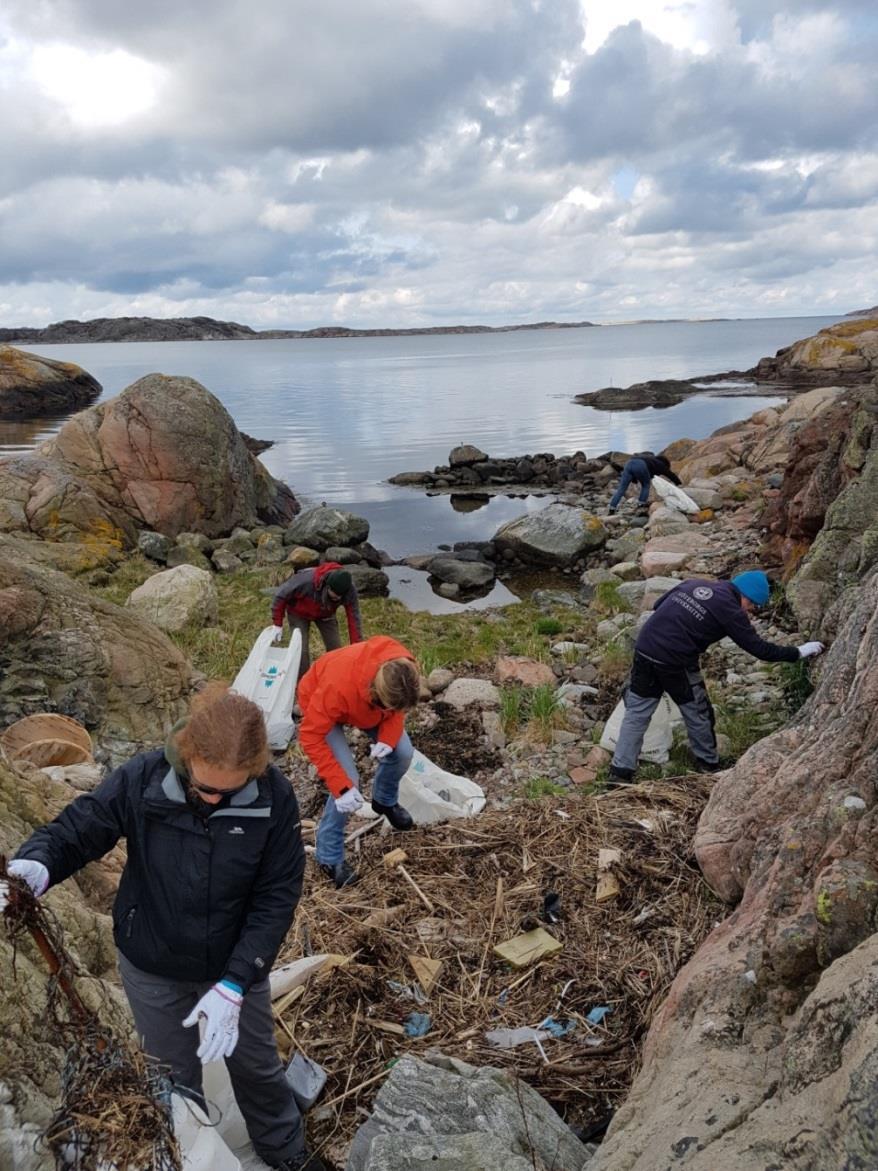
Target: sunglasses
{"type": "Point", "coordinates": [210, 791]}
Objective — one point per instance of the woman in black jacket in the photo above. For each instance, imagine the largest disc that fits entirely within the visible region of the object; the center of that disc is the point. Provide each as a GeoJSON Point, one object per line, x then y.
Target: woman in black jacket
{"type": "Point", "coordinates": [210, 886]}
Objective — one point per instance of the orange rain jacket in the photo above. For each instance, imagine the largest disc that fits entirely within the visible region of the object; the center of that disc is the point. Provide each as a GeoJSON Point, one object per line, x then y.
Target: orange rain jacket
{"type": "Point", "coordinates": [337, 690]}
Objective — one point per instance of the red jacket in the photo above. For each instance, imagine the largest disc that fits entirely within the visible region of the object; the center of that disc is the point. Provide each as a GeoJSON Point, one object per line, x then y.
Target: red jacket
{"type": "Point", "coordinates": [305, 595]}
{"type": "Point", "coordinates": [337, 690]}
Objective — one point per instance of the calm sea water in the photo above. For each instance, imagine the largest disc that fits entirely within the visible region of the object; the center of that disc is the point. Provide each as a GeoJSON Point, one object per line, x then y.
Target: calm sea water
{"type": "Point", "coordinates": [345, 414]}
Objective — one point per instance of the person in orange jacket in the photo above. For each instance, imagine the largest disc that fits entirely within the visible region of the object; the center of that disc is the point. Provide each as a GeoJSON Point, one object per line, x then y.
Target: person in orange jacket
{"type": "Point", "coordinates": [368, 685]}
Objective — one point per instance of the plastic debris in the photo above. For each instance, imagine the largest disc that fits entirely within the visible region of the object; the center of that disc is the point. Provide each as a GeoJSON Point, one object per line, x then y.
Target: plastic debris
{"type": "Point", "coordinates": [510, 1038]}
{"type": "Point", "coordinates": [597, 1014]}
{"type": "Point", "coordinates": [306, 1079]}
{"type": "Point", "coordinates": [407, 991]}
{"type": "Point", "coordinates": [551, 907]}
{"type": "Point", "coordinates": [854, 802]}
{"type": "Point", "coordinates": [558, 1028]}
{"type": "Point", "coordinates": [417, 1024]}
{"type": "Point", "coordinates": [527, 948]}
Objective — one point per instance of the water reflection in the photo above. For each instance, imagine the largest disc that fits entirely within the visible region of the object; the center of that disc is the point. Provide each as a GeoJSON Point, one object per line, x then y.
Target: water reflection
{"type": "Point", "coordinates": [463, 503]}
{"type": "Point", "coordinates": [412, 587]}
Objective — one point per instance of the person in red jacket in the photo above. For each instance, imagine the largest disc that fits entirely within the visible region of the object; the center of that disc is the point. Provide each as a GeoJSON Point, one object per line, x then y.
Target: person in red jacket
{"type": "Point", "coordinates": [314, 595]}
{"type": "Point", "coordinates": [369, 685]}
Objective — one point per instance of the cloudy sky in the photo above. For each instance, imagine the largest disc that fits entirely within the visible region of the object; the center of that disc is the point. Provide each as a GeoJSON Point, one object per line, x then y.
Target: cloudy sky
{"type": "Point", "coordinates": [294, 163]}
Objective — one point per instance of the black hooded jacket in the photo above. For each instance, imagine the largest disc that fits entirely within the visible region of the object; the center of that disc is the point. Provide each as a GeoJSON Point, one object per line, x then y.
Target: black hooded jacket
{"type": "Point", "coordinates": [201, 897]}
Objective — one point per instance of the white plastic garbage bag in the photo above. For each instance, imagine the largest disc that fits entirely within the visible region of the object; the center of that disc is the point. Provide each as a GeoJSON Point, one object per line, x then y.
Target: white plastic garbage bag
{"type": "Point", "coordinates": [201, 1146]}
{"type": "Point", "coordinates": [431, 794]}
{"type": "Point", "coordinates": [659, 735]}
{"type": "Point", "coordinates": [269, 677]}
{"type": "Point", "coordinates": [673, 496]}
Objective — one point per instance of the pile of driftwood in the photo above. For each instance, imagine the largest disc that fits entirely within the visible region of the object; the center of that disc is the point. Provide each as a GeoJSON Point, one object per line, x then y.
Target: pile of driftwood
{"type": "Point", "coordinates": [540, 938]}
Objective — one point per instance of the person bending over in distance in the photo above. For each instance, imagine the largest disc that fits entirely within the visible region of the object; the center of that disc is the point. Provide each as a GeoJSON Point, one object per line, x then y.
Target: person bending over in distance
{"type": "Point", "coordinates": [369, 685]}
{"type": "Point", "coordinates": [314, 595]}
{"type": "Point", "coordinates": [210, 885]}
{"type": "Point", "coordinates": [684, 623]}
{"type": "Point", "coordinates": [640, 469]}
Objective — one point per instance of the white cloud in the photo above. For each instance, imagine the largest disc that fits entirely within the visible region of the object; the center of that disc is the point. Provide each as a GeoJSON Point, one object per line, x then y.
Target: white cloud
{"type": "Point", "coordinates": [96, 89]}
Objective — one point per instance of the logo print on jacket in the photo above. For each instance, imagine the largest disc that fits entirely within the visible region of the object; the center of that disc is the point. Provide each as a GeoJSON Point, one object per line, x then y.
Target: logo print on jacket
{"type": "Point", "coordinates": [702, 593]}
{"type": "Point", "coordinates": [236, 829]}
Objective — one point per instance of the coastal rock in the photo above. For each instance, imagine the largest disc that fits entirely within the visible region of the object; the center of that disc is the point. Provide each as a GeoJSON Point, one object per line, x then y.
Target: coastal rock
{"type": "Point", "coordinates": [662, 555]}
{"type": "Point", "coordinates": [65, 650]}
{"type": "Point", "coordinates": [469, 575]}
{"type": "Point", "coordinates": [301, 557]}
{"type": "Point", "coordinates": [175, 598]}
{"type": "Point", "coordinates": [440, 1114]}
{"type": "Point", "coordinates": [370, 583]}
{"type": "Point", "coordinates": [557, 535]}
{"type": "Point", "coordinates": [738, 1069]}
{"type": "Point", "coordinates": [164, 455]}
{"type": "Point", "coordinates": [655, 393]}
{"type": "Point", "coordinates": [155, 546]}
{"type": "Point", "coordinates": [31, 385]}
{"type": "Point", "coordinates": [465, 455]}
{"type": "Point", "coordinates": [847, 350]}
{"type": "Point", "coordinates": [665, 522]}
{"type": "Point", "coordinates": [527, 672]}
{"type": "Point", "coordinates": [319, 528]}
{"type": "Point", "coordinates": [439, 678]}
{"type": "Point", "coordinates": [342, 554]}
{"type": "Point", "coordinates": [467, 692]}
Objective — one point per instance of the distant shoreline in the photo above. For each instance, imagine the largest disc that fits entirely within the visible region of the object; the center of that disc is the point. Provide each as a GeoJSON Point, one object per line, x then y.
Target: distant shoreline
{"type": "Point", "coordinates": [175, 329]}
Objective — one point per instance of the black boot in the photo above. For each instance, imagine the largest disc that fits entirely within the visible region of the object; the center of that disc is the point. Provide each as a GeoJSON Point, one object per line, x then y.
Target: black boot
{"type": "Point", "coordinates": [398, 817]}
{"type": "Point", "coordinates": [708, 766]}
{"type": "Point", "coordinates": [304, 1162]}
{"type": "Point", "coordinates": [619, 776]}
{"type": "Point", "coordinates": [342, 874]}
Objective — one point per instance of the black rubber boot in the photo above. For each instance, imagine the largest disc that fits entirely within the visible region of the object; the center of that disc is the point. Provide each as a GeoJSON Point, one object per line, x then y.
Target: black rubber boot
{"type": "Point", "coordinates": [708, 766]}
{"type": "Point", "coordinates": [619, 776]}
{"type": "Point", "coordinates": [398, 817]}
{"type": "Point", "coordinates": [342, 874]}
{"type": "Point", "coordinates": [304, 1162]}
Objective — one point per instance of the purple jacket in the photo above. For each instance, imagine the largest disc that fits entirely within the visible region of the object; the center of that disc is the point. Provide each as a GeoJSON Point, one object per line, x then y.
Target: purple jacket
{"type": "Point", "coordinates": [694, 615]}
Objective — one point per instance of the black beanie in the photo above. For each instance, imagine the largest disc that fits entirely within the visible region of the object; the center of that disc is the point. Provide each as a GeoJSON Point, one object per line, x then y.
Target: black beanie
{"type": "Point", "coordinates": [339, 581]}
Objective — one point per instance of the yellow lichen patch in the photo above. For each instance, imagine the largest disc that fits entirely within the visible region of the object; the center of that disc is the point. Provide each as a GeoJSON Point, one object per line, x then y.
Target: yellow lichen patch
{"type": "Point", "coordinates": [852, 328]}
{"type": "Point", "coordinates": [103, 532]}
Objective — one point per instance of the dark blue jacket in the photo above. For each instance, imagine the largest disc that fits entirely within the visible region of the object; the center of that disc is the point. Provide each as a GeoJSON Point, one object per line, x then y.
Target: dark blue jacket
{"type": "Point", "coordinates": [694, 615]}
{"type": "Point", "coordinates": [200, 898]}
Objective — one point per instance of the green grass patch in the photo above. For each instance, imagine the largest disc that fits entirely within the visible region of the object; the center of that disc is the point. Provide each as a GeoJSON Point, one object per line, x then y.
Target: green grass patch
{"type": "Point", "coordinates": [615, 663]}
{"type": "Point", "coordinates": [607, 601]}
{"type": "Point", "coordinates": [538, 787]}
{"type": "Point", "coordinates": [548, 626]}
{"type": "Point", "coordinates": [513, 706]}
{"type": "Point", "coordinates": [795, 679]}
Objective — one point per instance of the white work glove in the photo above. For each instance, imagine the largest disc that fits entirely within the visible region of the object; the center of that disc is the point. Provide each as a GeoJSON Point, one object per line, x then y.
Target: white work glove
{"type": "Point", "coordinates": [221, 1008]}
{"type": "Point", "coordinates": [278, 633]}
{"type": "Point", "coordinates": [379, 750]}
{"type": "Point", "coordinates": [349, 802]}
{"type": "Point", "coordinates": [34, 874]}
{"type": "Point", "coordinates": [807, 649]}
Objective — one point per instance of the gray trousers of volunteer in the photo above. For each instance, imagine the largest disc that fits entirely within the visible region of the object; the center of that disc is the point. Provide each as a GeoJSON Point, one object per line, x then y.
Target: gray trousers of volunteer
{"type": "Point", "coordinates": [647, 683]}
{"type": "Point", "coordinates": [329, 632]}
{"type": "Point", "coordinates": [160, 1005]}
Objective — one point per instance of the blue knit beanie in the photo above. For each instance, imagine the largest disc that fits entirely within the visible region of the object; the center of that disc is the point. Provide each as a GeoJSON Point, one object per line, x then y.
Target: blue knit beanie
{"type": "Point", "coordinates": [753, 585]}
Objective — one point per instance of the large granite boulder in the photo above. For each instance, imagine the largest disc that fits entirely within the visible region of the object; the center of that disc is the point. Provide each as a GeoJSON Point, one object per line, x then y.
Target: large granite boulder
{"type": "Point", "coordinates": [164, 455]}
{"type": "Point", "coordinates": [31, 385]}
{"type": "Point", "coordinates": [469, 575]}
{"type": "Point", "coordinates": [465, 455]}
{"type": "Point", "coordinates": [557, 535]}
{"type": "Point", "coordinates": [64, 650]}
{"type": "Point", "coordinates": [440, 1114]}
{"type": "Point", "coordinates": [176, 598]}
{"type": "Point", "coordinates": [31, 1057]}
{"type": "Point", "coordinates": [320, 528]}
{"type": "Point", "coordinates": [766, 1050]}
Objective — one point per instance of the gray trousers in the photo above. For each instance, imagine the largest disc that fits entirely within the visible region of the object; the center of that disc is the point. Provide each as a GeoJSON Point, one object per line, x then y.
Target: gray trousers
{"type": "Point", "coordinates": [697, 716]}
{"type": "Point", "coordinates": [328, 628]}
{"type": "Point", "coordinates": [159, 1006]}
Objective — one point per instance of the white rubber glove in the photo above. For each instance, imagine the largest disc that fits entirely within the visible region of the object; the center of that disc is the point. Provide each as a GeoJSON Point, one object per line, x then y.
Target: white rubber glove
{"type": "Point", "coordinates": [278, 633]}
{"type": "Point", "coordinates": [807, 649]}
{"type": "Point", "coordinates": [34, 874]}
{"type": "Point", "coordinates": [221, 1009]}
{"type": "Point", "coordinates": [349, 802]}
{"type": "Point", "coordinates": [379, 750]}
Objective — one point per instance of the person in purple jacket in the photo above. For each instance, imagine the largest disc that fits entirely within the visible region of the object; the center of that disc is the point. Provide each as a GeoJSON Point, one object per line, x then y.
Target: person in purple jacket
{"type": "Point", "coordinates": [685, 622]}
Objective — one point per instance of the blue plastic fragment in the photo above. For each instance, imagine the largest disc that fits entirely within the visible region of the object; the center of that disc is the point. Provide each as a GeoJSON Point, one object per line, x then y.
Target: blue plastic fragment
{"type": "Point", "coordinates": [597, 1014]}
{"type": "Point", "coordinates": [558, 1028]}
{"type": "Point", "coordinates": [416, 1024]}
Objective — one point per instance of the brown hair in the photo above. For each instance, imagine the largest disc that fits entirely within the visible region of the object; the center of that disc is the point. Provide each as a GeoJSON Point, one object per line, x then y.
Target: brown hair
{"type": "Point", "coordinates": [224, 729]}
{"type": "Point", "coordinates": [397, 685]}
